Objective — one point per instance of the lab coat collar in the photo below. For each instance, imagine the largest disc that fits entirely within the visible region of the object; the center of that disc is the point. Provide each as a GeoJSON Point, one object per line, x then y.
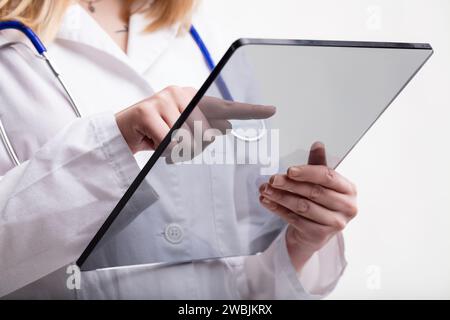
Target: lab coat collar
{"type": "Point", "coordinates": [143, 48]}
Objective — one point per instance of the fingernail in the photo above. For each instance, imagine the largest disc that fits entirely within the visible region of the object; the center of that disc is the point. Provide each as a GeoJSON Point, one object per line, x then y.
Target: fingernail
{"type": "Point", "coordinates": [276, 181]}
{"type": "Point", "coordinates": [271, 109]}
{"type": "Point", "coordinates": [263, 187]}
{"type": "Point", "coordinates": [294, 172]}
{"type": "Point", "coordinates": [268, 190]}
{"type": "Point", "coordinates": [269, 204]}
{"type": "Point", "coordinates": [317, 145]}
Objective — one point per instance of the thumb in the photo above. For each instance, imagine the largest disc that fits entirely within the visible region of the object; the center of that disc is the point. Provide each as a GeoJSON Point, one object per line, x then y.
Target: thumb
{"type": "Point", "coordinates": [317, 155]}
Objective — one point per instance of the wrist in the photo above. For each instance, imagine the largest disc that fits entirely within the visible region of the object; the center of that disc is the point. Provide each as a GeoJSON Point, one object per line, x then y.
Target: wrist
{"type": "Point", "coordinates": [299, 251]}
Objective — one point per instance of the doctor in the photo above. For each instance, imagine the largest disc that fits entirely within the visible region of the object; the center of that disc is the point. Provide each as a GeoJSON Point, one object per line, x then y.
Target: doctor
{"type": "Point", "coordinates": [114, 54]}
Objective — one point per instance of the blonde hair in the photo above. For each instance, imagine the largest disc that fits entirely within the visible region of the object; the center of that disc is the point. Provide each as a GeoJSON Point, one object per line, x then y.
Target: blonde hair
{"type": "Point", "coordinates": [44, 16]}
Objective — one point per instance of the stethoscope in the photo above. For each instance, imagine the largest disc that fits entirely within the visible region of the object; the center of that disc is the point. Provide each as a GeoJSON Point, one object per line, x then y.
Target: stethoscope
{"type": "Point", "coordinates": [42, 51]}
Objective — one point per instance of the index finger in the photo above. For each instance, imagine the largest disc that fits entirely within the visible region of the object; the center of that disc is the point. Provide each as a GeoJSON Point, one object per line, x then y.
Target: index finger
{"type": "Point", "coordinates": [215, 108]}
{"type": "Point", "coordinates": [321, 175]}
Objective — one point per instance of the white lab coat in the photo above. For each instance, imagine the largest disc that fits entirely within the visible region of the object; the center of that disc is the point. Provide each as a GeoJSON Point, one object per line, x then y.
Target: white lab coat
{"type": "Point", "coordinates": [75, 171]}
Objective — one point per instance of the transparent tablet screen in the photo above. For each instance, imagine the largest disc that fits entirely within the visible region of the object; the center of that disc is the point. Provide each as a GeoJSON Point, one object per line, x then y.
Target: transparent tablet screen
{"type": "Point", "coordinates": [265, 110]}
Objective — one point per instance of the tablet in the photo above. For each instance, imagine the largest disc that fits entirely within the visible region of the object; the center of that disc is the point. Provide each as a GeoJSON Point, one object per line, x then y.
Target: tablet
{"type": "Point", "coordinates": [262, 109]}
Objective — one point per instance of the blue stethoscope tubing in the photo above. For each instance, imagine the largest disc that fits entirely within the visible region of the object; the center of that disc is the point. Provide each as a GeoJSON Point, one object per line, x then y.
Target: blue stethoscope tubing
{"type": "Point", "coordinates": [223, 89]}
{"type": "Point", "coordinates": [221, 85]}
{"type": "Point", "coordinates": [42, 51]}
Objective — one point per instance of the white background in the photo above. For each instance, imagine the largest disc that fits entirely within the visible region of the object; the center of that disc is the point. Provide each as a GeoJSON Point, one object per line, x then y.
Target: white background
{"type": "Point", "coordinates": [399, 245]}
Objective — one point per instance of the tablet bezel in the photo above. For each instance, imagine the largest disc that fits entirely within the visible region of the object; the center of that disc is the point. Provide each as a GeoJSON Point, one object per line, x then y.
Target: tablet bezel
{"type": "Point", "coordinates": [209, 81]}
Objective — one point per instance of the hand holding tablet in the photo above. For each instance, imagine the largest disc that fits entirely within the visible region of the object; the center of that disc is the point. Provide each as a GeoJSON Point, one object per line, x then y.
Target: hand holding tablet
{"type": "Point", "coordinates": [297, 92]}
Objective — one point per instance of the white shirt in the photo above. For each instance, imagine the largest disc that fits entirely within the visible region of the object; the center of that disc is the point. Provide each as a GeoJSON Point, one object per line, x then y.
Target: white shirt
{"type": "Point", "coordinates": [75, 171]}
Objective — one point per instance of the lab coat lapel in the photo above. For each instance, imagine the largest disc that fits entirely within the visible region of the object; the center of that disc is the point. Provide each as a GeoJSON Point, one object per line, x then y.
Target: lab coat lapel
{"type": "Point", "coordinates": [78, 26]}
{"type": "Point", "coordinates": [144, 48]}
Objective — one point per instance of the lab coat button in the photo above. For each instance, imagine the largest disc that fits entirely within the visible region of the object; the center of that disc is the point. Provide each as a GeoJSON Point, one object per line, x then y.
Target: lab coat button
{"type": "Point", "coordinates": [174, 233]}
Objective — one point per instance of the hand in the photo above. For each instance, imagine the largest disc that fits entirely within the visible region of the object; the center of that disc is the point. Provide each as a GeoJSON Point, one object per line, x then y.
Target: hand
{"type": "Point", "coordinates": [315, 200]}
{"type": "Point", "coordinates": [147, 123]}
